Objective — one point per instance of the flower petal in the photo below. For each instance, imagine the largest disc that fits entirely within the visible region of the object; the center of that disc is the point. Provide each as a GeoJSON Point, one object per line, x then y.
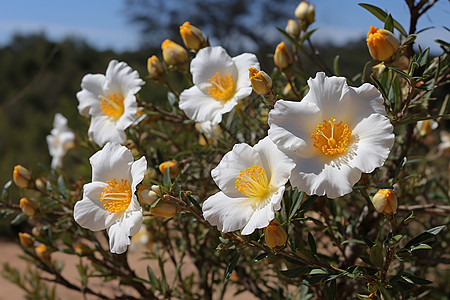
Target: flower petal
{"type": "Point", "coordinates": [121, 78]}
{"type": "Point", "coordinates": [112, 162]}
{"type": "Point", "coordinates": [374, 142]}
{"type": "Point", "coordinates": [103, 130]}
{"type": "Point", "coordinates": [120, 232]}
{"type": "Point", "coordinates": [200, 107]}
{"type": "Point", "coordinates": [243, 62]}
{"type": "Point", "coordinates": [129, 114]}
{"type": "Point", "coordinates": [228, 214]}
{"type": "Point", "coordinates": [88, 97]}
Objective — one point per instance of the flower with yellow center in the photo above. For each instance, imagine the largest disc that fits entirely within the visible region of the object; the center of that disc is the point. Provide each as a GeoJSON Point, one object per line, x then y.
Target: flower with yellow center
{"type": "Point", "coordinates": [110, 101]}
{"type": "Point", "coordinates": [60, 140]}
{"type": "Point", "coordinates": [109, 201]}
{"type": "Point", "coordinates": [220, 81]}
{"type": "Point", "coordinates": [333, 135]}
{"type": "Point", "coordinates": [252, 182]}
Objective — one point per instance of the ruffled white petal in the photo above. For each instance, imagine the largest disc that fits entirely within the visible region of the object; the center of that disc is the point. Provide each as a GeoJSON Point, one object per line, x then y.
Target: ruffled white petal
{"type": "Point", "coordinates": [112, 162]}
{"type": "Point", "coordinates": [374, 142]}
{"type": "Point", "coordinates": [200, 107]}
{"type": "Point", "coordinates": [129, 114]}
{"type": "Point", "coordinates": [227, 213]}
{"type": "Point", "coordinates": [88, 97]}
{"type": "Point", "coordinates": [121, 78]}
{"type": "Point", "coordinates": [243, 62]}
{"type": "Point", "coordinates": [102, 130]}
{"type": "Point", "coordinates": [242, 156]}
{"type": "Point", "coordinates": [119, 233]}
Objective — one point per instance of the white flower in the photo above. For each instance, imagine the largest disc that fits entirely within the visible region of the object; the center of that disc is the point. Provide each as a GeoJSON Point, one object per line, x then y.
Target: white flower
{"type": "Point", "coordinates": [60, 140]}
{"type": "Point", "coordinates": [335, 133]}
{"type": "Point", "coordinates": [252, 182]}
{"type": "Point", "coordinates": [219, 82]}
{"type": "Point", "coordinates": [110, 100]}
{"type": "Point", "coordinates": [109, 201]}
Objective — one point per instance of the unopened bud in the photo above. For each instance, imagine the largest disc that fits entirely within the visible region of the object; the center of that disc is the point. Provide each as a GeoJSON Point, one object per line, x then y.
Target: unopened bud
{"type": "Point", "coordinates": [305, 13]}
{"type": "Point", "coordinates": [26, 239]}
{"type": "Point", "coordinates": [82, 249]}
{"type": "Point", "coordinates": [274, 235]}
{"type": "Point", "coordinates": [382, 43]}
{"type": "Point", "coordinates": [27, 207]}
{"type": "Point", "coordinates": [147, 196]}
{"type": "Point", "coordinates": [155, 68]}
{"type": "Point", "coordinates": [155, 188]}
{"type": "Point", "coordinates": [192, 36]}
{"type": "Point", "coordinates": [21, 176]}
{"type": "Point", "coordinates": [173, 53]}
{"type": "Point", "coordinates": [385, 201]}
{"type": "Point", "coordinates": [292, 28]}
{"type": "Point", "coordinates": [261, 81]}
{"type": "Point", "coordinates": [43, 252]}
{"type": "Point", "coordinates": [40, 184]}
{"type": "Point", "coordinates": [173, 166]}
{"type": "Point", "coordinates": [283, 56]}
{"type": "Point", "coordinates": [164, 210]}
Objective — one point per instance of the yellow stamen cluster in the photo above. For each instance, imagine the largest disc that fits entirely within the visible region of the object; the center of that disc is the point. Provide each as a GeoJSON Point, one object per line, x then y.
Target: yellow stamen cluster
{"type": "Point", "coordinates": [112, 105]}
{"type": "Point", "coordinates": [223, 87]}
{"type": "Point", "coordinates": [252, 182]}
{"type": "Point", "coordinates": [331, 138]}
{"type": "Point", "coordinates": [116, 197]}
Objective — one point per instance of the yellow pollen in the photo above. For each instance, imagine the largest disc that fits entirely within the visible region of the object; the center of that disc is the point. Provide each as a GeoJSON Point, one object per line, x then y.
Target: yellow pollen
{"type": "Point", "coordinates": [112, 105]}
{"type": "Point", "coordinates": [116, 197]}
{"type": "Point", "coordinates": [252, 182]}
{"type": "Point", "coordinates": [223, 87]}
{"type": "Point", "coordinates": [331, 138]}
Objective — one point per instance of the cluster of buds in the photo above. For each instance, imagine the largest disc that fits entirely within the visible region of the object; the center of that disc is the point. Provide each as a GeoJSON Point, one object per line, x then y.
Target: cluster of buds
{"type": "Point", "coordinates": [305, 13]}
{"type": "Point", "coordinates": [385, 201]}
{"type": "Point", "coordinates": [382, 43]}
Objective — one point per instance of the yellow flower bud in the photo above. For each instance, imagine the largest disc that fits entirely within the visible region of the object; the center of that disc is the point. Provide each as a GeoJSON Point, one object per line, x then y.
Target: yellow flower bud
{"type": "Point", "coordinates": [21, 176]}
{"type": "Point", "coordinates": [305, 12]}
{"type": "Point", "coordinates": [147, 196]}
{"type": "Point", "coordinates": [261, 81]}
{"type": "Point", "coordinates": [155, 188]}
{"type": "Point", "coordinates": [274, 235]}
{"type": "Point", "coordinates": [164, 210]}
{"type": "Point", "coordinates": [82, 249]}
{"type": "Point", "coordinates": [174, 169]}
{"type": "Point", "coordinates": [43, 252]}
{"type": "Point", "coordinates": [385, 201]}
{"type": "Point", "coordinates": [27, 207]}
{"type": "Point", "coordinates": [155, 68]}
{"type": "Point", "coordinates": [26, 239]}
{"type": "Point", "coordinates": [192, 36]}
{"type": "Point", "coordinates": [283, 56]}
{"type": "Point", "coordinates": [40, 184]}
{"type": "Point", "coordinates": [292, 28]}
{"type": "Point", "coordinates": [382, 43]}
{"type": "Point", "coordinates": [173, 53]}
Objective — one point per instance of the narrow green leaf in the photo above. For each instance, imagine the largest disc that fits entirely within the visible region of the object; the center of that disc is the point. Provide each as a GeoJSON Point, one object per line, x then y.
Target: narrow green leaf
{"type": "Point", "coordinates": [295, 206]}
{"type": "Point", "coordinates": [312, 243]}
{"type": "Point", "coordinates": [296, 272]}
{"type": "Point", "coordinates": [400, 72]}
{"type": "Point", "coordinates": [308, 202]}
{"type": "Point", "coordinates": [167, 182]}
{"type": "Point", "coordinates": [376, 255]}
{"type": "Point", "coordinates": [261, 256]}
{"type": "Point", "coordinates": [421, 247]}
{"type": "Point", "coordinates": [331, 290]}
{"type": "Point", "coordinates": [381, 15]}
{"type": "Point", "coordinates": [409, 39]}
{"type": "Point", "coordinates": [414, 279]}
{"type": "Point", "coordinates": [307, 35]}
{"type": "Point", "coordinates": [5, 190]}
{"type": "Point", "coordinates": [231, 266]}
{"type": "Point", "coordinates": [389, 23]}
{"type": "Point", "coordinates": [318, 272]}
{"type": "Point", "coordinates": [423, 57]}
{"type": "Point", "coordinates": [424, 236]}
{"type": "Point", "coordinates": [62, 187]}
{"type": "Point", "coordinates": [194, 202]}
{"type": "Point", "coordinates": [384, 292]}
{"type": "Point", "coordinates": [153, 280]}
{"type": "Point", "coordinates": [400, 167]}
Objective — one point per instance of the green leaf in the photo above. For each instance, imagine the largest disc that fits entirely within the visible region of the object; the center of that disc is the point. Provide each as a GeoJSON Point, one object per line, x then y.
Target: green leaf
{"type": "Point", "coordinates": [414, 279]}
{"type": "Point", "coordinates": [423, 57]}
{"type": "Point", "coordinates": [400, 167]}
{"type": "Point", "coordinates": [381, 15]}
{"type": "Point", "coordinates": [295, 206]}
{"type": "Point", "coordinates": [153, 280]}
{"type": "Point", "coordinates": [19, 219]}
{"type": "Point", "coordinates": [401, 73]}
{"type": "Point", "coordinates": [389, 23]}
{"type": "Point", "coordinates": [424, 236]}
{"type": "Point", "coordinates": [296, 272]}
{"type": "Point", "coordinates": [308, 202]}
{"type": "Point", "coordinates": [194, 202]}
{"type": "Point", "coordinates": [62, 187]}
{"type": "Point", "coordinates": [376, 255]}
{"type": "Point", "coordinates": [410, 39]}
{"type": "Point", "coordinates": [312, 243]}
{"type": "Point", "coordinates": [384, 292]}
{"type": "Point", "coordinates": [5, 190]}
{"type": "Point", "coordinates": [231, 266]}
{"type": "Point", "coordinates": [318, 272]}
{"type": "Point", "coordinates": [363, 297]}
{"type": "Point", "coordinates": [307, 35]}
{"type": "Point", "coordinates": [367, 241]}
{"type": "Point", "coordinates": [167, 182]}
{"type": "Point", "coordinates": [261, 256]}
{"type": "Point", "coordinates": [421, 247]}
{"type": "Point", "coordinates": [330, 290]}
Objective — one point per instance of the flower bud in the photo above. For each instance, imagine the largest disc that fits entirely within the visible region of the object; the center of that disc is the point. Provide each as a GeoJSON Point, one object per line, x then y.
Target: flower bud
{"type": "Point", "coordinates": [283, 56]}
{"type": "Point", "coordinates": [382, 43]}
{"type": "Point", "coordinates": [305, 13]}
{"type": "Point", "coordinates": [385, 201]}
{"type": "Point", "coordinates": [261, 81]}
{"type": "Point", "coordinates": [192, 36]}
{"type": "Point", "coordinates": [155, 188]}
{"type": "Point", "coordinates": [27, 207]}
{"type": "Point", "coordinates": [147, 196]}
{"type": "Point", "coordinates": [173, 53]}
{"type": "Point", "coordinates": [40, 184]}
{"type": "Point", "coordinates": [43, 252]}
{"type": "Point", "coordinates": [26, 239]}
{"type": "Point", "coordinates": [21, 176]}
{"type": "Point", "coordinates": [82, 249]}
{"type": "Point", "coordinates": [174, 169]}
{"type": "Point", "coordinates": [155, 68]}
{"type": "Point", "coordinates": [164, 210]}
{"type": "Point", "coordinates": [292, 28]}
{"type": "Point", "coordinates": [274, 235]}
{"type": "Point", "coordinates": [425, 127]}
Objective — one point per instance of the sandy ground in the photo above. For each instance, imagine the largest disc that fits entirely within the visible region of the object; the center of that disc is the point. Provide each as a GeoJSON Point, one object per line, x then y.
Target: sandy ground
{"type": "Point", "coordinates": [10, 252]}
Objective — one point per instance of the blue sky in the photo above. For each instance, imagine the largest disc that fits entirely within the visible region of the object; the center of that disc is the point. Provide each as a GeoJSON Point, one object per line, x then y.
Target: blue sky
{"type": "Point", "coordinates": [103, 23]}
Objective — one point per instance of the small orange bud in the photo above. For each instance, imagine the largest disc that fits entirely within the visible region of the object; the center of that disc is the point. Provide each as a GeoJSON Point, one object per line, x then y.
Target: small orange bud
{"type": "Point", "coordinates": [260, 80]}
{"type": "Point", "coordinates": [164, 210]}
{"type": "Point", "coordinates": [27, 207]}
{"type": "Point", "coordinates": [21, 176]}
{"type": "Point", "coordinates": [305, 13]}
{"type": "Point", "coordinates": [174, 169]}
{"type": "Point", "coordinates": [155, 68]}
{"type": "Point", "coordinates": [173, 53]}
{"type": "Point", "coordinates": [43, 252]}
{"type": "Point", "coordinates": [382, 43]}
{"type": "Point", "coordinates": [26, 239]}
{"type": "Point", "coordinates": [385, 201]}
{"type": "Point", "coordinates": [283, 56]}
{"type": "Point", "coordinates": [192, 36]}
{"type": "Point", "coordinates": [274, 235]}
